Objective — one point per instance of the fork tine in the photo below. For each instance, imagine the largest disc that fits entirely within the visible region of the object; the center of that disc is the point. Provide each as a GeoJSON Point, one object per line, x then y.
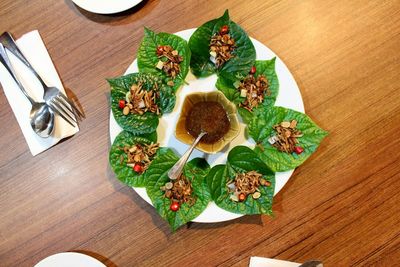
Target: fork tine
{"type": "Point", "coordinates": [61, 102]}
{"type": "Point", "coordinates": [71, 103]}
{"type": "Point", "coordinates": [55, 110]}
{"type": "Point", "coordinates": [62, 109]}
{"type": "Point", "coordinates": [61, 99]}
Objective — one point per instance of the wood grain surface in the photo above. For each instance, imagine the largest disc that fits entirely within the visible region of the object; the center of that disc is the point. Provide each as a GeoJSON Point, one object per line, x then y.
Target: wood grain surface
{"type": "Point", "coordinates": [341, 206]}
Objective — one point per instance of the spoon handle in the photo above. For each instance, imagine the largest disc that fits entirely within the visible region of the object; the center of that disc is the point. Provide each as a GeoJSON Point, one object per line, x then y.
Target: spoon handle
{"type": "Point", "coordinates": [176, 170]}
{"type": "Point", "coordinates": [7, 64]}
{"type": "Point", "coordinates": [7, 41]}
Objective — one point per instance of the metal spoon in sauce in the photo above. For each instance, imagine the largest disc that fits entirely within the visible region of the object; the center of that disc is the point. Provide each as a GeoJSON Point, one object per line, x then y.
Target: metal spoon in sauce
{"type": "Point", "coordinates": [41, 117]}
{"type": "Point", "coordinates": [176, 170]}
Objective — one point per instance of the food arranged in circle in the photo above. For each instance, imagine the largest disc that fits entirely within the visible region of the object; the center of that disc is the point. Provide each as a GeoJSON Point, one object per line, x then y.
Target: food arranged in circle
{"type": "Point", "coordinates": [245, 183]}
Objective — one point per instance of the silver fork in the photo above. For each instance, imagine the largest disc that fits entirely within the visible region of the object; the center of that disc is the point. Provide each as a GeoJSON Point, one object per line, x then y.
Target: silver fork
{"type": "Point", "coordinates": [59, 103]}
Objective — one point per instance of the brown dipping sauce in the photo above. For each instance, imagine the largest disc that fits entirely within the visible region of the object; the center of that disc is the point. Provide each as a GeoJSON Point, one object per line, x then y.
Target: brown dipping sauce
{"type": "Point", "coordinates": [209, 116]}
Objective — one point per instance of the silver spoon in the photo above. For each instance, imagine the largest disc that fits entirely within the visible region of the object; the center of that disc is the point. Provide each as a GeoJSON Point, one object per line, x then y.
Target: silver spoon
{"type": "Point", "coordinates": [176, 170]}
{"type": "Point", "coordinates": [41, 117]}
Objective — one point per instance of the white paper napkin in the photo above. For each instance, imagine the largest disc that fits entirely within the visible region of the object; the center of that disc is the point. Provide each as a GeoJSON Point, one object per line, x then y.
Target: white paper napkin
{"type": "Point", "coordinates": [34, 50]}
{"type": "Point", "coordinates": [266, 262]}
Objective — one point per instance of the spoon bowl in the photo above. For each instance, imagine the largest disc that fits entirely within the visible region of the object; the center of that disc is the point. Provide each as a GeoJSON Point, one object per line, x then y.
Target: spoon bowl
{"type": "Point", "coordinates": [42, 119]}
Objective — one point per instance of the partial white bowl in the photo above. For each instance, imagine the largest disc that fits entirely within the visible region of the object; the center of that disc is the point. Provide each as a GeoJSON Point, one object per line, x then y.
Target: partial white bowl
{"type": "Point", "coordinates": [69, 259]}
{"type": "Point", "coordinates": [106, 6]}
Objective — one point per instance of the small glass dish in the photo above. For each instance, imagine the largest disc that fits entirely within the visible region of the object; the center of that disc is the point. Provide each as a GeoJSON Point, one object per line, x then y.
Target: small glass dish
{"type": "Point", "coordinates": [182, 134]}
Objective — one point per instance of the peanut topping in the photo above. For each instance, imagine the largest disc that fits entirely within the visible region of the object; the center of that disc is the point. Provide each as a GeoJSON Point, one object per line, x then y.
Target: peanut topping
{"type": "Point", "coordinates": [169, 60]}
{"type": "Point", "coordinates": [141, 155]}
{"type": "Point", "coordinates": [221, 47]}
{"type": "Point", "coordinates": [254, 90]}
{"type": "Point", "coordinates": [140, 100]}
{"type": "Point", "coordinates": [286, 136]}
{"type": "Point", "coordinates": [179, 190]}
{"type": "Point", "coordinates": [245, 184]}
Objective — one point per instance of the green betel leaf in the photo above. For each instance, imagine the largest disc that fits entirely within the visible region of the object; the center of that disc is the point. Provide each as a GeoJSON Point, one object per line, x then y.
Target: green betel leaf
{"type": "Point", "coordinates": [230, 92]}
{"type": "Point", "coordinates": [241, 159]}
{"type": "Point", "coordinates": [157, 175]}
{"type": "Point", "coordinates": [267, 68]}
{"type": "Point", "coordinates": [246, 115]}
{"type": "Point", "coordinates": [118, 157]}
{"type": "Point", "coordinates": [260, 129]}
{"type": "Point", "coordinates": [263, 67]}
{"type": "Point", "coordinates": [148, 59]}
{"type": "Point", "coordinates": [135, 123]}
{"type": "Point", "coordinates": [167, 99]}
{"type": "Point", "coordinates": [244, 53]}
{"type": "Point", "coordinates": [199, 42]}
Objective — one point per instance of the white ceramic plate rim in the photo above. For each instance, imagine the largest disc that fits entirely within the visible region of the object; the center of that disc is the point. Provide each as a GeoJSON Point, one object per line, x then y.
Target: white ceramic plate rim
{"type": "Point", "coordinates": [68, 259]}
{"type": "Point", "coordinates": [289, 96]}
{"type": "Point", "coordinates": [106, 6]}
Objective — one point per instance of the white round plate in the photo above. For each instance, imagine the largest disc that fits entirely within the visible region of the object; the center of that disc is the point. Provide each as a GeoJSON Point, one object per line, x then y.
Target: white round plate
{"type": "Point", "coordinates": [69, 259]}
{"type": "Point", "coordinates": [289, 96]}
{"type": "Point", "coordinates": [106, 6]}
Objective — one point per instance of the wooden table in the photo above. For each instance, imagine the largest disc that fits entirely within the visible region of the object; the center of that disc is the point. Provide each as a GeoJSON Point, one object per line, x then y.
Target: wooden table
{"type": "Point", "coordinates": [341, 206]}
